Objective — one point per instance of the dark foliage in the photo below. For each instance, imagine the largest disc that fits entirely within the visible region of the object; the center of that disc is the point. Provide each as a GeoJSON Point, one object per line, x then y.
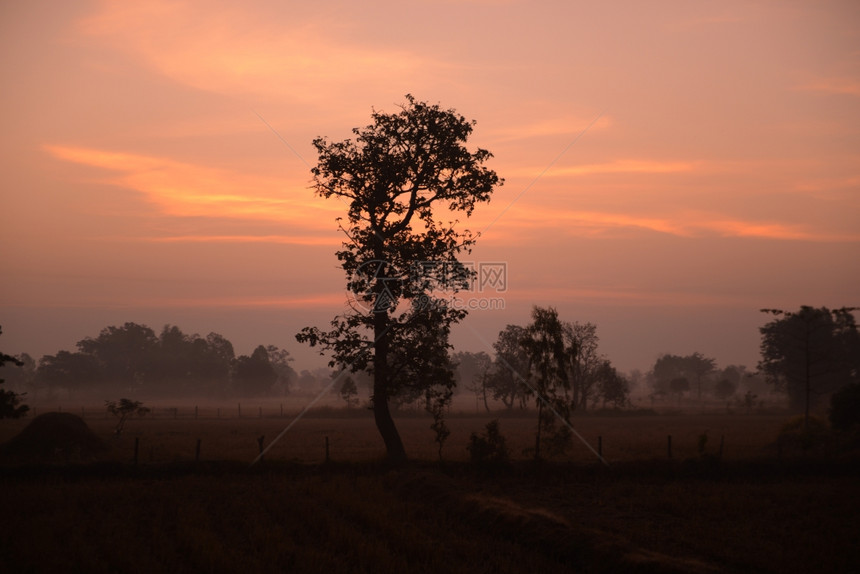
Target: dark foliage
{"type": "Point", "coordinates": [845, 407]}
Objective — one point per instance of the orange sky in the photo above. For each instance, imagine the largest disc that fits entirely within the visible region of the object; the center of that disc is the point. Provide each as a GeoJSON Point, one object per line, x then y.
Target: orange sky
{"type": "Point", "coordinates": [670, 167]}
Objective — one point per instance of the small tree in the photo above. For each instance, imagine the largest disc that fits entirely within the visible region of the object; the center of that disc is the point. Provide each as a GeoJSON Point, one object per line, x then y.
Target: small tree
{"type": "Point", "coordinates": [437, 402]}
{"type": "Point", "coordinates": [349, 392]}
{"type": "Point", "coordinates": [489, 447]}
{"type": "Point", "coordinates": [123, 410]}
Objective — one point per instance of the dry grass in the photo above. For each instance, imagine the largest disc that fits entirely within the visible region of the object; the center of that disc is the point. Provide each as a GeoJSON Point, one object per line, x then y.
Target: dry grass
{"type": "Point", "coordinates": [352, 435]}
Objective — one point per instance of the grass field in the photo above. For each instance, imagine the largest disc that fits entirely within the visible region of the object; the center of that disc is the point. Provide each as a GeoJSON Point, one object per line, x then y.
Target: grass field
{"type": "Point", "coordinates": [171, 436]}
{"type": "Point", "coordinates": [749, 512]}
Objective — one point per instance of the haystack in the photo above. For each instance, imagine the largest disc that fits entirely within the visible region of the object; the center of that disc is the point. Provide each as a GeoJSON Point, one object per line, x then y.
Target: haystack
{"type": "Point", "coordinates": [55, 437]}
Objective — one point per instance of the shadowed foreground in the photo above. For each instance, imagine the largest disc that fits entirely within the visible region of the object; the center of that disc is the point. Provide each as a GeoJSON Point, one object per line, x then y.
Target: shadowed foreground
{"type": "Point", "coordinates": [645, 517]}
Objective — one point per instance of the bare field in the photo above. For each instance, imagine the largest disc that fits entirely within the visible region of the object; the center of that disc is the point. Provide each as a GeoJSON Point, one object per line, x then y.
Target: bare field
{"type": "Point", "coordinates": [748, 513]}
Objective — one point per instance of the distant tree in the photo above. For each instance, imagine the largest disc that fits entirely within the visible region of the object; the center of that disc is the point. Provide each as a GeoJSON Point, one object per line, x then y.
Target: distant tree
{"type": "Point", "coordinates": [679, 386]}
{"type": "Point", "coordinates": [349, 392]}
{"type": "Point", "coordinates": [280, 360]}
{"type": "Point", "coordinates": [544, 345]}
{"type": "Point", "coordinates": [123, 410]}
{"type": "Point", "coordinates": [612, 387]}
{"type": "Point", "coordinates": [725, 388]}
{"type": "Point", "coordinates": [668, 368]}
{"type": "Point", "coordinates": [125, 355]}
{"type": "Point", "coordinates": [254, 375]}
{"type": "Point", "coordinates": [69, 370]}
{"type": "Point", "coordinates": [10, 401]}
{"type": "Point", "coordinates": [810, 352]}
{"type": "Point", "coordinates": [510, 368]}
{"type": "Point", "coordinates": [699, 366]}
{"type": "Point", "coordinates": [585, 363]}
{"type": "Point", "coordinates": [395, 177]}
{"type": "Point", "coordinates": [472, 372]}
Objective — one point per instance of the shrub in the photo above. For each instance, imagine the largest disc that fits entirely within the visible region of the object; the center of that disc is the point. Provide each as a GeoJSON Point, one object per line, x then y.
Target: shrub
{"type": "Point", "coordinates": [490, 447]}
{"type": "Point", "coordinates": [845, 407]}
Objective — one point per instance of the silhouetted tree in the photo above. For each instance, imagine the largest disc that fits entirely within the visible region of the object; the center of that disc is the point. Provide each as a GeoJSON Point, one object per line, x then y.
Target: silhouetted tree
{"type": "Point", "coordinates": [254, 375]}
{"type": "Point", "coordinates": [612, 386]}
{"type": "Point", "coordinates": [810, 352]}
{"type": "Point", "coordinates": [394, 177]}
{"type": "Point", "coordinates": [10, 401]}
{"type": "Point", "coordinates": [472, 372]}
{"type": "Point", "coordinates": [544, 344]}
{"type": "Point", "coordinates": [349, 392]}
{"type": "Point", "coordinates": [670, 367]}
{"type": "Point", "coordinates": [123, 410]}
{"type": "Point", "coordinates": [510, 368]}
{"type": "Point", "coordinates": [69, 370]}
{"type": "Point", "coordinates": [280, 360]}
{"type": "Point", "coordinates": [580, 340]}
{"type": "Point", "coordinates": [125, 355]}
{"type": "Point", "coordinates": [725, 388]}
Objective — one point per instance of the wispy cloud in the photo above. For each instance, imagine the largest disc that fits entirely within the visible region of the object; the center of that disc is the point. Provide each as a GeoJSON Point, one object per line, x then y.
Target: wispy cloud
{"type": "Point", "coordinates": [621, 166]}
{"type": "Point", "coordinates": [279, 239]}
{"type": "Point", "coordinates": [843, 86]}
{"type": "Point", "coordinates": [233, 50]}
{"type": "Point", "coordinates": [187, 190]}
{"type": "Point", "coordinates": [686, 223]}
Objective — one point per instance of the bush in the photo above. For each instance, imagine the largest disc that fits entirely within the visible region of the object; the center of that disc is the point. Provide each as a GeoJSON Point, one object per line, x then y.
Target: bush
{"type": "Point", "coordinates": [489, 448]}
{"type": "Point", "coordinates": [794, 435]}
{"type": "Point", "coordinates": [845, 407]}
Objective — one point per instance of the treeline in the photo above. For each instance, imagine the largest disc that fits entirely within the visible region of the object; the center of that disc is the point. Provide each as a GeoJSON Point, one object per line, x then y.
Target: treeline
{"type": "Point", "coordinates": [548, 357]}
{"type": "Point", "coordinates": [133, 360]}
{"type": "Point", "coordinates": [679, 378]}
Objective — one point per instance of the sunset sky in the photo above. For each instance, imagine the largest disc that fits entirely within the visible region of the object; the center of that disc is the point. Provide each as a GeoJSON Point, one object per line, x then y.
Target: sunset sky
{"type": "Point", "coordinates": [670, 167]}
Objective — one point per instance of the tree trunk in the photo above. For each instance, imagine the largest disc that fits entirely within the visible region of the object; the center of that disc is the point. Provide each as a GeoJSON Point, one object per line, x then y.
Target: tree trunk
{"type": "Point", "coordinates": [381, 411]}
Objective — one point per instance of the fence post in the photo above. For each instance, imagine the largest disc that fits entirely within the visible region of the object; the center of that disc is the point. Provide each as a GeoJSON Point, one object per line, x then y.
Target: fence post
{"type": "Point", "coordinates": [669, 445]}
